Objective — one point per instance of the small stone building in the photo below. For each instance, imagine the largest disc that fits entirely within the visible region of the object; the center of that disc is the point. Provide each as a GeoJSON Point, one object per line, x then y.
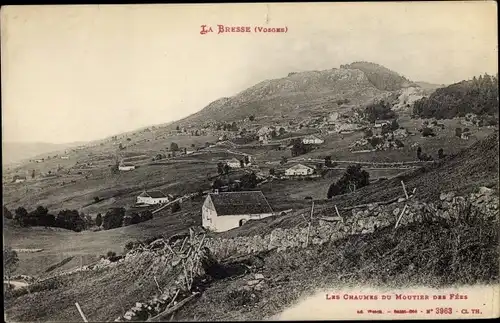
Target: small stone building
{"type": "Point", "coordinates": [228, 210]}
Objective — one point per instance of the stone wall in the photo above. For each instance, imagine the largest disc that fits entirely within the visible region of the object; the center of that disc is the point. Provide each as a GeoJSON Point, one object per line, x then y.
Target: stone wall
{"type": "Point", "coordinates": [360, 221]}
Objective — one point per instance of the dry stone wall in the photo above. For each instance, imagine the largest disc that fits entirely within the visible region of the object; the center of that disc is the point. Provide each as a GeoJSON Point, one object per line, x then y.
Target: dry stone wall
{"type": "Point", "coordinates": [359, 221]}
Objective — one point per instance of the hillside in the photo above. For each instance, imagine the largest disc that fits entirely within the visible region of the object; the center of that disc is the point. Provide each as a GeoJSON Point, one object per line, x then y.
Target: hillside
{"type": "Point", "coordinates": [381, 77]}
{"type": "Point", "coordinates": [478, 96]}
{"type": "Point", "coordinates": [300, 93]}
{"type": "Point", "coordinates": [17, 151]}
{"type": "Point", "coordinates": [458, 250]}
{"type": "Point", "coordinates": [462, 173]}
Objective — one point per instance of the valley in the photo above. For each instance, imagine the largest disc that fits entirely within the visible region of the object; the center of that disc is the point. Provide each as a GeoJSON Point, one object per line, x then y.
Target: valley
{"type": "Point", "coordinates": [296, 140]}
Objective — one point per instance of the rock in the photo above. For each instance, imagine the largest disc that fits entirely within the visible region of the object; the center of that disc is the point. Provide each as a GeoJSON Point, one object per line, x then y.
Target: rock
{"type": "Point", "coordinates": [259, 276]}
{"type": "Point", "coordinates": [450, 196]}
{"type": "Point", "coordinates": [372, 206]}
{"type": "Point", "coordinates": [485, 191]}
{"type": "Point", "coordinates": [253, 282]}
{"type": "Point", "coordinates": [401, 199]}
{"type": "Point", "coordinates": [442, 196]}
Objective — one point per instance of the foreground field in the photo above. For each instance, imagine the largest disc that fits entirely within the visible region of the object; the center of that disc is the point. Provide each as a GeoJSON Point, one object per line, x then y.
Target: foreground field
{"type": "Point", "coordinates": [86, 247]}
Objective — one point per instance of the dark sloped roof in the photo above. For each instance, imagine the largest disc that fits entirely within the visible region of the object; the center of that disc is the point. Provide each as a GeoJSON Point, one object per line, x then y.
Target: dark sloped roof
{"type": "Point", "coordinates": [237, 203]}
{"type": "Point", "coordinates": [153, 194]}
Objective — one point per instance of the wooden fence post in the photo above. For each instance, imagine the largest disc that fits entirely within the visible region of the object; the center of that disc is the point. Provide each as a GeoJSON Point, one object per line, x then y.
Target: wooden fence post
{"type": "Point", "coordinates": [81, 313]}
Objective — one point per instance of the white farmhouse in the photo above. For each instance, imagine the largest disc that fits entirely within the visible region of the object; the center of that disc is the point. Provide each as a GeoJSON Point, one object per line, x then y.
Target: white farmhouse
{"type": "Point", "coordinates": [153, 197]}
{"type": "Point", "coordinates": [126, 167]}
{"type": "Point", "coordinates": [228, 210]}
{"type": "Point", "coordinates": [299, 170]}
{"type": "Point", "coordinates": [18, 179]}
{"type": "Point", "coordinates": [312, 140]}
{"type": "Point", "coordinates": [233, 163]}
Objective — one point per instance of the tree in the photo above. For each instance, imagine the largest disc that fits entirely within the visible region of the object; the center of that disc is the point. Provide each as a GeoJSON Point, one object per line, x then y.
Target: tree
{"type": "Point", "coordinates": [6, 213]}
{"type": "Point", "coordinates": [128, 139]}
{"type": "Point", "coordinates": [220, 168]}
{"type": "Point", "coordinates": [428, 132]}
{"type": "Point", "coordinates": [419, 152]}
{"type": "Point", "coordinates": [284, 160]}
{"type": "Point", "coordinates": [375, 141]}
{"type": "Point", "coordinates": [249, 181]}
{"type": "Point", "coordinates": [378, 111]}
{"type": "Point", "coordinates": [272, 171]}
{"type": "Point", "coordinates": [353, 179]}
{"type": "Point", "coordinates": [251, 118]}
{"type": "Point", "coordinates": [177, 128]}
{"type": "Point", "coordinates": [71, 220]}
{"type": "Point", "coordinates": [247, 160]}
{"type": "Point", "coordinates": [176, 207]}
{"type": "Point", "coordinates": [33, 173]}
{"type": "Point", "coordinates": [192, 145]}
{"type": "Point", "coordinates": [282, 131]}
{"type": "Point", "coordinates": [145, 215]}
{"type": "Point", "coordinates": [242, 163]}
{"type": "Point", "coordinates": [368, 133]}
{"type": "Point", "coordinates": [96, 199]}
{"type": "Point", "coordinates": [399, 143]}
{"type": "Point", "coordinates": [120, 146]}
{"type": "Point", "coordinates": [174, 147]}
{"type": "Point", "coordinates": [226, 169]}
{"type": "Point", "coordinates": [98, 220]}
{"type": "Point", "coordinates": [385, 129]}
{"type": "Point", "coordinates": [458, 132]}
{"type": "Point", "coordinates": [10, 261]}
{"type": "Point", "coordinates": [394, 125]}
{"type": "Point", "coordinates": [21, 216]}
{"type": "Point", "coordinates": [113, 218]}
{"type": "Point", "coordinates": [328, 161]}
{"type": "Point", "coordinates": [441, 154]}
{"type": "Point", "coordinates": [333, 190]}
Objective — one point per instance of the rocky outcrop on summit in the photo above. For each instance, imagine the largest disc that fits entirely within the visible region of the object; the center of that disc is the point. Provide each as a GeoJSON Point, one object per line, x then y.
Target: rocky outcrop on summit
{"type": "Point", "coordinates": [295, 94]}
{"type": "Point", "coordinates": [381, 77]}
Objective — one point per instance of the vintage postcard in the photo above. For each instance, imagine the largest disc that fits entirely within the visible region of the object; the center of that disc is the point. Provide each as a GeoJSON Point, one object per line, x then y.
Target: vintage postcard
{"type": "Point", "coordinates": [266, 161]}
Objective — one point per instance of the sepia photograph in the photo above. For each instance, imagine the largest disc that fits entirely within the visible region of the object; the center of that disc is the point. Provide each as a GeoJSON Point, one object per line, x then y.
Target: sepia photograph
{"type": "Point", "coordinates": [250, 161]}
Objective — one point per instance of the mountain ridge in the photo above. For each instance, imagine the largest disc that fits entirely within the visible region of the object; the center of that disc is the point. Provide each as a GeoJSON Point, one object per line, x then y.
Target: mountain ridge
{"type": "Point", "coordinates": [357, 83]}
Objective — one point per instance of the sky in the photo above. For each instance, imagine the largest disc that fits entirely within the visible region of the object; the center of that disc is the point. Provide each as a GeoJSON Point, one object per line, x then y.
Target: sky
{"type": "Point", "coordinates": [85, 72]}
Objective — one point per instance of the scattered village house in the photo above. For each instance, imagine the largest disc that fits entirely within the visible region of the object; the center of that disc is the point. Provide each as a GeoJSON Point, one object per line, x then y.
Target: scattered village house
{"type": "Point", "coordinates": [126, 167]}
{"type": "Point", "coordinates": [299, 170]}
{"type": "Point", "coordinates": [380, 123]}
{"type": "Point", "coordinates": [312, 140]}
{"type": "Point", "coordinates": [18, 179]}
{"type": "Point", "coordinates": [228, 210]}
{"type": "Point", "coordinates": [233, 163]}
{"type": "Point", "coordinates": [153, 197]}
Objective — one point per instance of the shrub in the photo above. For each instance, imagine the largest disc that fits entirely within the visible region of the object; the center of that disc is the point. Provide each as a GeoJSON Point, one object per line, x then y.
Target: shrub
{"type": "Point", "coordinates": [428, 132]}
{"type": "Point", "coordinates": [110, 254]}
{"type": "Point", "coordinates": [353, 178]}
{"type": "Point", "coordinates": [6, 213]}
{"type": "Point", "coordinates": [176, 207]}
{"type": "Point", "coordinates": [241, 297]}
